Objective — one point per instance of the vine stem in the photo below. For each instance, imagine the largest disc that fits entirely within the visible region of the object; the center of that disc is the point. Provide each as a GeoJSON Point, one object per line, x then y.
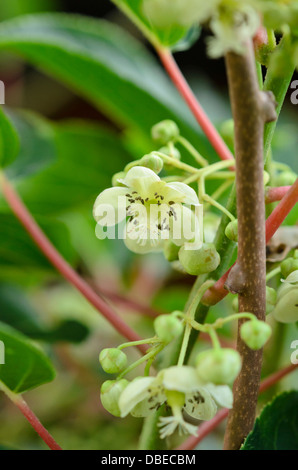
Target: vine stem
{"type": "Point", "coordinates": [184, 89]}
{"type": "Point", "coordinates": [19, 401]}
{"type": "Point", "coordinates": [217, 292]}
{"type": "Point", "coordinates": [251, 109]}
{"type": "Point", "coordinates": [275, 194]}
{"type": "Point", "coordinates": [23, 215]}
{"type": "Point", "coordinates": [281, 211]}
{"type": "Point", "coordinates": [206, 428]}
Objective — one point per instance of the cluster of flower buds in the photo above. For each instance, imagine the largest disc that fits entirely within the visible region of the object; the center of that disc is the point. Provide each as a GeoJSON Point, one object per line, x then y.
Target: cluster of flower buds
{"type": "Point", "coordinates": [289, 265]}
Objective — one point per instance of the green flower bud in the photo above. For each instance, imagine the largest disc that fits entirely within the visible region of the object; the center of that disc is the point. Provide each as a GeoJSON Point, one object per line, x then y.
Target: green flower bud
{"type": "Point", "coordinates": [271, 297]}
{"type": "Point", "coordinates": [201, 261]}
{"type": "Point", "coordinates": [171, 251]}
{"type": "Point", "coordinates": [118, 176]}
{"type": "Point", "coordinates": [255, 334]}
{"type": "Point", "coordinates": [153, 162]}
{"type": "Point", "coordinates": [286, 309]}
{"type": "Point", "coordinates": [172, 152]}
{"type": "Point", "coordinates": [232, 231]}
{"type": "Point", "coordinates": [288, 266]}
{"type": "Point", "coordinates": [235, 305]}
{"type": "Point", "coordinates": [227, 131]}
{"type": "Point", "coordinates": [266, 177]}
{"type": "Point", "coordinates": [286, 178]}
{"type": "Point", "coordinates": [112, 360]}
{"type": "Point", "coordinates": [110, 393]}
{"type": "Point", "coordinates": [168, 327]}
{"type": "Point", "coordinates": [165, 132]}
{"type": "Point", "coordinates": [218, 366]}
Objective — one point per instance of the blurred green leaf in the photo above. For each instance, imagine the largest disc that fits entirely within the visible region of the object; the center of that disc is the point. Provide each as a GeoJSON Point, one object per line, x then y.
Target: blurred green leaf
{"type": "Point", "coordinates": [87, 158]}
{"type": "Point", "coordinates": [277, 427]}
{"type": "Point", "coordinates": [16, 311]}
{"type": "Point", "coordinates": [26, 365]}
{"type": "Point", "coordinates": [37, 145]}
{"type": "Point", "coordinates": [105, 65]}
{"type": "Point", "coordinates": [9, 142]}
{"type": "Point", "coordinates": [21, 7]}
{"type": "Point", "coordinates": [18, 250]}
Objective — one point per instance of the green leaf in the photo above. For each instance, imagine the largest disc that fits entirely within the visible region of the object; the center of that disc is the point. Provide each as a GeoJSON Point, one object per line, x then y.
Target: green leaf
{"type": "Point", "coordinates": [277, 426]}
{"type": "Point", "coordinates": [19, 7]}
{"type": "Point", "coordinates": [17, 311]}
{"type": "Point", "coordinates": [18, 250]}
{"type": "Point", "coordinates": [105, 65]}
{"type": "Point", "coordinates": [166, 37]}
{"type": "Point", "coordinates": [26, 365]}
{"type": "Point", "coordinates": [37, 145]}
{"type": "Point", "coordinates": [77, 176]}
{"type": "Point", "coordinates": [9, 142]}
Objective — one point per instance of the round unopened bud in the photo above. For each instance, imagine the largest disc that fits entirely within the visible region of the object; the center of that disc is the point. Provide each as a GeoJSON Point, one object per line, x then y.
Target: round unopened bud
{"type": "Point", "coordinates": [171, 251]}
{"type": "Point", "coordinates": [112, 360]}
{"type": "Point", "coordinates": [271, 297]}
{"type": "Point", "coordinates": [286, 178]}
{"type": "Point", "coordinates": [153, 162]}
{"type": "Point", "coordinates": [202, 261]}
{"type": "Point", "coordinates": [168, 327]}
{"type": "Point", "coordinates": [172, 152]}
{"type": "Point", "coordinates": [218, 366]}
{"type": "Point", "coordinates": [255, 333]}
{"type": "Point", "coordinates": [266, 177]}
{"type": "Point", "coordinates": [232, 231]}
{"type": "Point", "coordinates": [288, 266]}
{"type": "Point", "coordinates": [117, 177]}
{"type": "Point", "coordinates": [110, 393]}
{"type": "Point", "coordinates": [227, 130]}
{"type": "Point", "coordinates": [165, 132]}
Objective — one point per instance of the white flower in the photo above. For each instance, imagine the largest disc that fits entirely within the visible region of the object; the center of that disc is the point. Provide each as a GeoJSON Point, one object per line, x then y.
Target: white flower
{"type": "Point", "coordinates": [232, 29]}
{"type": "Point", "coordinates": [154, 210]}
{"type": "Point", "coordinates": [181, 389]}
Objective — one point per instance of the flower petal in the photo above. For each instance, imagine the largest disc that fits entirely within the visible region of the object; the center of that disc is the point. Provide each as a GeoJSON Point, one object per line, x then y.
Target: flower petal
{"type": "Point", "coordinates": [222, 394]}
{"type": "Point", "coordinates": [181, 378]}
{"type": "Point", "coordinates": [134, 393]}
{"type": "Point", "coordinates": [292, 278]}
{"type": "Point", "coordinates": [191, 197]}
{"type": "Point", "coordinates": [200, 405]}
{"type": "Point", "coordinates": [110, 206]}
{"type": "Point", "coordinates": [142, 239]}
{"type": "Point", "coordinates": [185, 226]}
{"type": "Point", "coordinates": [140, 179]}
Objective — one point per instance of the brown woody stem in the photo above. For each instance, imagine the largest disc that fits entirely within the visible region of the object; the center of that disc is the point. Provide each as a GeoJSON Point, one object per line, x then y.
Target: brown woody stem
{"type": "Point", "coordinates": [251, 108]}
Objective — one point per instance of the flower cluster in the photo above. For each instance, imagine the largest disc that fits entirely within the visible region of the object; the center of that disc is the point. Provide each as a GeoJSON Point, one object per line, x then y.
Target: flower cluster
{"type": "Point", "coordinates": [182, 391]}
{"type": "Point", "coordinates": [159, 213]}
{"type": "Point", "coordinates": [232, 22]}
